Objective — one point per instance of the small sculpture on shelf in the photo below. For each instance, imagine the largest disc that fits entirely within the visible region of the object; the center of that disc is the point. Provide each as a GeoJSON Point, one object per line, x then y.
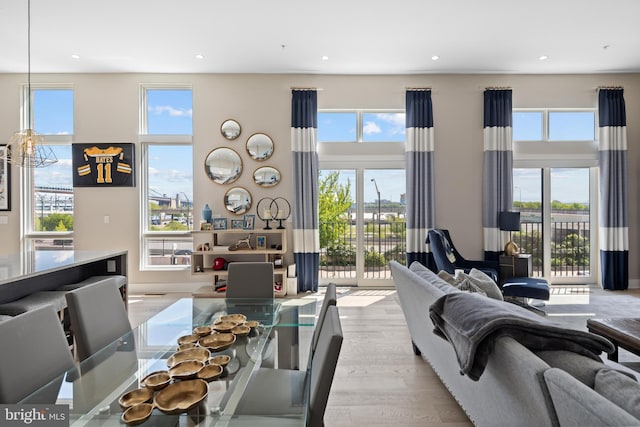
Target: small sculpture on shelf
{"type": "Point", "coordinates": [266, 212]}
{"type": "Point", "coordinates": [283, 210]}
{"type": "Point", "coordinates": [242, 244]}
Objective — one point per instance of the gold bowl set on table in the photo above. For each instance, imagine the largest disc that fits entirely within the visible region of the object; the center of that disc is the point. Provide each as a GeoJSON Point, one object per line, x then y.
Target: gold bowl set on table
{"type": "Point", "coordinates": [197, 353]}
{"type": "Point", "coordinates": [156, 380]}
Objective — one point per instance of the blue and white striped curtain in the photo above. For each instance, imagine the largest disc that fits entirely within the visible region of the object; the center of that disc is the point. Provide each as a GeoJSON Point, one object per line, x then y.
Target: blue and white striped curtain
{"type": "Point", "coordinates": [614, 231]}
{"type": "Point", "coordinates": [419, 175]}
{"type": "Point", "coordinates": [304, 134]}
{"type": "Point", "coordinates": [497, 182]}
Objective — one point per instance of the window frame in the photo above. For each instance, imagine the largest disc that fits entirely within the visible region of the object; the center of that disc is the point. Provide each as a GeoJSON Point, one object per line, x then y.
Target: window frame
{"type": "Point", "coordinates": [145, 141]}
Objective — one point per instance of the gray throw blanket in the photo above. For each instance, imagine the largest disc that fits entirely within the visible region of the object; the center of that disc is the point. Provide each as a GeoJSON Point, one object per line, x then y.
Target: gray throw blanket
{"type": "Point", "coordinates": [472, 322]}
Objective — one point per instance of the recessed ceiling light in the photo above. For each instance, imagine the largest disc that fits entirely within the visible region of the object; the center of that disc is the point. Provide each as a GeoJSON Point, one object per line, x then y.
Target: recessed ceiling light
{"type": "Point", "coordinates": [199, 56]}
{"type": "Point", "coordinates": [325, 58]}
{"type": "Point", "coordinates": [75, 56]}
{"type": "Point", "coordinates": [435, 57]}
{"type": "Point", "coordinates": [543, 58]}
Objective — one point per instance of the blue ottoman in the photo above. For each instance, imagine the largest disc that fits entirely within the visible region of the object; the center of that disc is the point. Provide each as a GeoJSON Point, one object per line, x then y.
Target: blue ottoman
{"type": "Point", "coordinates": [518, 289]}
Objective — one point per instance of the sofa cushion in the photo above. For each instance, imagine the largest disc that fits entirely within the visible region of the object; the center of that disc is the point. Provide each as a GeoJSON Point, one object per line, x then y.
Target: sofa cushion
{"type": "Point", "coordinates": [568, 394]}
{"type": "Point", "coordinates": [431, 278]}
{"type": "Point", "coordinates": [486, 283]}
{"type": "Point", "coordinates": [582, 368]}
{"type": "Point", "coordinates": [620, 389]}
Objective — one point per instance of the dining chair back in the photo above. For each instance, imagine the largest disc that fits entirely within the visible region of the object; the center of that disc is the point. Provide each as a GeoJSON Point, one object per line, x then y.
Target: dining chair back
{"type": "Point", "coordinates": [98, 317]}
{"type": "Point", "coordinates": [250, 280]}
{"type": "Point", "coordinates": [34, 352]}
{"type": "Point", "coordinates": [330, 298]}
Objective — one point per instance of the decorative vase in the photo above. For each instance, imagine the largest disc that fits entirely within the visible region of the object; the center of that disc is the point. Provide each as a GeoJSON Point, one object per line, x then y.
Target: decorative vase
{"type": "Point", "coordinates": [206, 214]}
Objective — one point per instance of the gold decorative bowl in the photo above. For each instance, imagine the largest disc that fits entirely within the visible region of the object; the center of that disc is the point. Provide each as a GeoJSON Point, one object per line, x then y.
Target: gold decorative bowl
{"type": "Point", "coordinates": [181, 396]}
{"type": "Point", "coordinates": [241, 330]}
{"type": "Point", "coordinates": [186, 370]}
{"type": "Point", "coordinates": [201, 331]}
{"type": "Point", "coordinates": [225, 326]}
{"type": "Point", "coordinates": [198, 353]}
{"type": "Point", "coordinates": [210, 372]}
{"type": "Point", "coordinates": [237, 318]}
{"type": "Point", "coordinates": [221, 359]}
{"type": "Point", "coordinates": [137, 414]}
{"type": "Point", "coordinates": [217, 342]}
{"type": "Point", "coordinates": [134, 397]}
{"type": "Point", "coordinates": [187, 346]}
{"type": "Point", "coordinates": [156, 380]}
{"type": "Point", "coordinates": [252, 323]}
{"type": "Point", "coordinates": [186, 339]}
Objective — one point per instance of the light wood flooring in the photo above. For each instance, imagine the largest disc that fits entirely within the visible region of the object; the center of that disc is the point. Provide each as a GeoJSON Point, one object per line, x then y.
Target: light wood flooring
{"type": "Point", "coordinates": [379, 381]}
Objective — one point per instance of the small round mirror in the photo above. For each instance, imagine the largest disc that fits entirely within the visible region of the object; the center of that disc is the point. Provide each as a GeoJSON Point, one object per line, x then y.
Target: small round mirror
{"type": "Point", "coordinates": [230, 129]}
{"type": "Point", "coordinates": [223, 165]}
{"type": "Point", "coordinates": [266, 176]}
{"type": "Point", "coordinates": [260, 146]}
{"type": "Point", "coordinates": [237, 200]}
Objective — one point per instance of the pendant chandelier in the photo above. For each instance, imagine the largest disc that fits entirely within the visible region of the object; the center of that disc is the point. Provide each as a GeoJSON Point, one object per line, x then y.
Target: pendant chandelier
{"type": "Point", "coordinates": [26, 147]}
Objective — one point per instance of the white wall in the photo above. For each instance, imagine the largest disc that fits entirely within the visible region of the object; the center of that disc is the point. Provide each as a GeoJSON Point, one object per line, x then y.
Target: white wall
{"type": "Point", "coordinates": [106, 108]}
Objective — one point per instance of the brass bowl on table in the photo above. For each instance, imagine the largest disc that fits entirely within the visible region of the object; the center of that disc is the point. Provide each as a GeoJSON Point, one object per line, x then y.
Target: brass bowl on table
{"type": "Point", "coordinates": [187, 346]}
{"type": "Point", "coordinates": [221, 359]}
{"type": "Point", "coordinates": [134, 397]}
{"type": "Point", "coordinates": [236, 318]}
{"type": "Point", "coordinates": [156, 380]}
{"type": "Point", "coordinates": [252, 323]}
{"type": "Point", "coordinates": [137, 414]}
{"type": "Point", "coordinates": [202, 331]}
{"type": "Point", "coordinates": [210, 372]}
{"type": "Point", "coordinates": [197, 353]}
{"type": "Point", "coordinates": [225, 326]}
{"type": "Point", "coordinates": [217, 342]}
{"type": "Point", "coordinates": [186, 370]}
{"type": "Point", "coordinates": [187, 339]}
{"type": "Point", "coordinates": [181, 396]}
{"type": "Point", "coordinates": [241, 330]}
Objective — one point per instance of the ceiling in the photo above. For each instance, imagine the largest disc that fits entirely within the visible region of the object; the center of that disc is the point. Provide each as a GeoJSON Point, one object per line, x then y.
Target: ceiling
{"type": "Point", "coordinates": [292, 36]}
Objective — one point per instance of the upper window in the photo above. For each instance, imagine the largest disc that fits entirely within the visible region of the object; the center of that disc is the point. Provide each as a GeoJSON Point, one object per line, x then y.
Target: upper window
{"type": "Point", "coordinates": [168, 111]}
{"type": "Point", "coordinates": [554, 125]}
{"type": "Point", "coordinates": [53, 111]}
{"type": "Point", "coordinates": [361, 126]}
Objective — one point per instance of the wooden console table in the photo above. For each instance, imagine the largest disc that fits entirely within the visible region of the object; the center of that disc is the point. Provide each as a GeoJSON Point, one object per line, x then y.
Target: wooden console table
{"type": "Point", "coordinates": [622, 332]}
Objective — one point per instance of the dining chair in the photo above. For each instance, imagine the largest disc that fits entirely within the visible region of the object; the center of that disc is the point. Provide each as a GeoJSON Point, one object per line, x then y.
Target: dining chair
{"type": "Point", "coordinates": [250, 280]}
{"type": "Point", "coordinates": [330, 299]}
{"type": "Point", "coordinates": [34, 352]}
{"type": "Point", "coordinates": [280, 392]}
{"type": "Point", "coordinates": [98, 317]}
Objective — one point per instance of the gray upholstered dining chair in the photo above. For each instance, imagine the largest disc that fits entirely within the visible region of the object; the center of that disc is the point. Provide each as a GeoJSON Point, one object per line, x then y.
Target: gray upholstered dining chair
{"type": "Point", "coordinates": [330, 298]}
{"type": "Point", "coordinates": [250, 280]}
{"type": "Point", "coordinates": [34, 352]}
{"type": "Point", "coordinates": [97, 317]}
{"type": "Point", "coordinates": [260, 398]}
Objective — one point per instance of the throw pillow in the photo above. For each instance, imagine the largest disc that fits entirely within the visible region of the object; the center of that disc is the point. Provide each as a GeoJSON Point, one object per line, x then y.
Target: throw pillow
{"type": "Point", "coordinates": [466, 285]}
{"type": "Point", "coordinates": [486, 283]}
{"type": "Point", "coordinates": [620, 389]}
{"type": "Point", "coordinates": [447, 277]}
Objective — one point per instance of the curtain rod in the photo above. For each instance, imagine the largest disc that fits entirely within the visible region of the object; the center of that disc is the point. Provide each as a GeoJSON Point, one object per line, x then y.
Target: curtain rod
{"type": "Point", "coordinates": [417, 88]}
{"type": "Point", "coordinates": [612, 87]}
{"type": "Point", "coordinates": [498, 88]}
{"type": "Point", "coordinates": [305, 88]}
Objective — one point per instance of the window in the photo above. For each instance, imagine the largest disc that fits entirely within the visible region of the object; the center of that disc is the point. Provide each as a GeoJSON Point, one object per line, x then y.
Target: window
{"type": "Point", "coordinates": [361, 126]}
{"type": "Point", "coordinates": [167, 160]}
{"type": "Point", "coordinates": [554, 125]}
{"type": "Point", "coordinates": [48, 206]}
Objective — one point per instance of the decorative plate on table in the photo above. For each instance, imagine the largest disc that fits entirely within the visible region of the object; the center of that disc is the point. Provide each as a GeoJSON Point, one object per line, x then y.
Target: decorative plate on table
{"type": "Point", "coordinates": [210, 372]}
{"type": "Point", "coordinates": [185, 370]}
{"type": "Point", "coordinates": [156, 380]}
{"type": "Point", "coordinates": [237, 318]}
{"type": "Point", "coordinates": [187, 339]}
{"type": "Point", "coordinates": [198, 353]}
{"type": "Point", "coordinates": [217, 342]}
{"type": "Point", "coordinates": [221, 359]}
{"type": "Point", "coordinates": [252, 323]}
{"type": "Point", "coordinates": [241, 330]}
{"type": "Point", "coordinates": [137, 414]}
{"type": "Point", "coordinates": [181, 396]}
{"type": "Point", "coordinates": [133, 397]}
{"type": "Point", "coordinates": [224, 326]}
{"type": "Point", "coordinates": [201, 331]}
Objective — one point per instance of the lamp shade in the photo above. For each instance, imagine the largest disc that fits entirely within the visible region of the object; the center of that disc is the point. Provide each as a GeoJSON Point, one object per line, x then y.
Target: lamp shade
{"type": "Point", "coordinates": [509, 221]}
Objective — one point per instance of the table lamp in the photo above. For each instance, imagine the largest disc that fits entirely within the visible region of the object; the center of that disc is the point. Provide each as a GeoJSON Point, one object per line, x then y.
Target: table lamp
{"type": "Point", "coordinates": [510, 221]}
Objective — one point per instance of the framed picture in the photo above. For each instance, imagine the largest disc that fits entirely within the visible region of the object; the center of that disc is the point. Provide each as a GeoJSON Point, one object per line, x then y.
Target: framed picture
{"type": "Point", "coordinates": [103, 165]}
{"type": "Point", "coordinates": [237, 224]}
{"type": "Point", "coordinates": [261, 242]}
{"type": "Point", "coordinates": [5, 180]}
{"type": "Point", "coordinates": [248, 222]}
{"type": "Point", "coordinates": [219, 223]}
{"type": "Point", "coordinates": [205, 226]}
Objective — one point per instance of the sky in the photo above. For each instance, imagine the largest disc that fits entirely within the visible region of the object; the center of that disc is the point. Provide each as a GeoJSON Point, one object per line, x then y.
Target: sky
{"type": "Point", "coordinates": [171, 168]}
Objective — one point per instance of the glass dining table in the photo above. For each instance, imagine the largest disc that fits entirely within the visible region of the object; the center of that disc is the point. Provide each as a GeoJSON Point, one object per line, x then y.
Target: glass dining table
{"type": "Point", "coordinates": [92, 390]}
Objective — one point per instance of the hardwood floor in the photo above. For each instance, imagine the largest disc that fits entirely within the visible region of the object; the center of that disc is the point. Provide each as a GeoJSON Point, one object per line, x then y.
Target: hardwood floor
{"type": "Point", "coordinates": [379, 381]}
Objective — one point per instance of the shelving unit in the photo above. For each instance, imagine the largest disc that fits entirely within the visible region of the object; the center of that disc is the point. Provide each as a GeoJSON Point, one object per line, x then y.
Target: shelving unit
{"type": "Point", "coordinates": [219, 242]}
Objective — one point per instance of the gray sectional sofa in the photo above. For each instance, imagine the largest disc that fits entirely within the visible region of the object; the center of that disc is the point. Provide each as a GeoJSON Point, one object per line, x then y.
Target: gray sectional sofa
{"type": "Point", "coordinates": [517, 385]}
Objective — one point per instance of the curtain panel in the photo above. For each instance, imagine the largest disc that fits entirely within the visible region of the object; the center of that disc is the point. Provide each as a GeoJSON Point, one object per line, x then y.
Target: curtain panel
{"type": "Point", "coordinates": [419, 175]}
{"type": "Point", "coordinates": [497, 182]}
{"type": "Point", "coordinates": [614, 231]}
{"type": "Point", "coordinates": [306, 241]}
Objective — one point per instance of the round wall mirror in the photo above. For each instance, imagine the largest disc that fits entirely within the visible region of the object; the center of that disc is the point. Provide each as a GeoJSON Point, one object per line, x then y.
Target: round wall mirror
{"type": "Point", "coordinates": [230, 129]}
{"type": "Point", "coordinates": [260, 146]}
{"type": "Point", "coordinates": [223, 165]}
{"type": "Point", "coordinates": [237, 200]}
{"type": "Point", "coordinates": [266, 176]}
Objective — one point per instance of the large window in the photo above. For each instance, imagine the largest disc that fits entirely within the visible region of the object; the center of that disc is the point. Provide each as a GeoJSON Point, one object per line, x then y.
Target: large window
{"type": "Point", "coordinates": [48, 206]}
{"type": "Point", "coordinates": [554, 125]}
{"type": "Point", "coordinates": [361, 126]}
{"type": "Point", "coordinates": [167, 157]}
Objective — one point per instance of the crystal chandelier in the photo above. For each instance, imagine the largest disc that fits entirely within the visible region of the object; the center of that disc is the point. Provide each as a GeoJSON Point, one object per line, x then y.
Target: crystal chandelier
{"type": "Point", "coordinates": [26, 147]}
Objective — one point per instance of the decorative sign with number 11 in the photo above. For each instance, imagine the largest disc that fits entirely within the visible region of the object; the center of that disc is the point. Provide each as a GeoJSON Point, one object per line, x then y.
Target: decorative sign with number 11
{"type": "Point", "coordinates": [98, 165]}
